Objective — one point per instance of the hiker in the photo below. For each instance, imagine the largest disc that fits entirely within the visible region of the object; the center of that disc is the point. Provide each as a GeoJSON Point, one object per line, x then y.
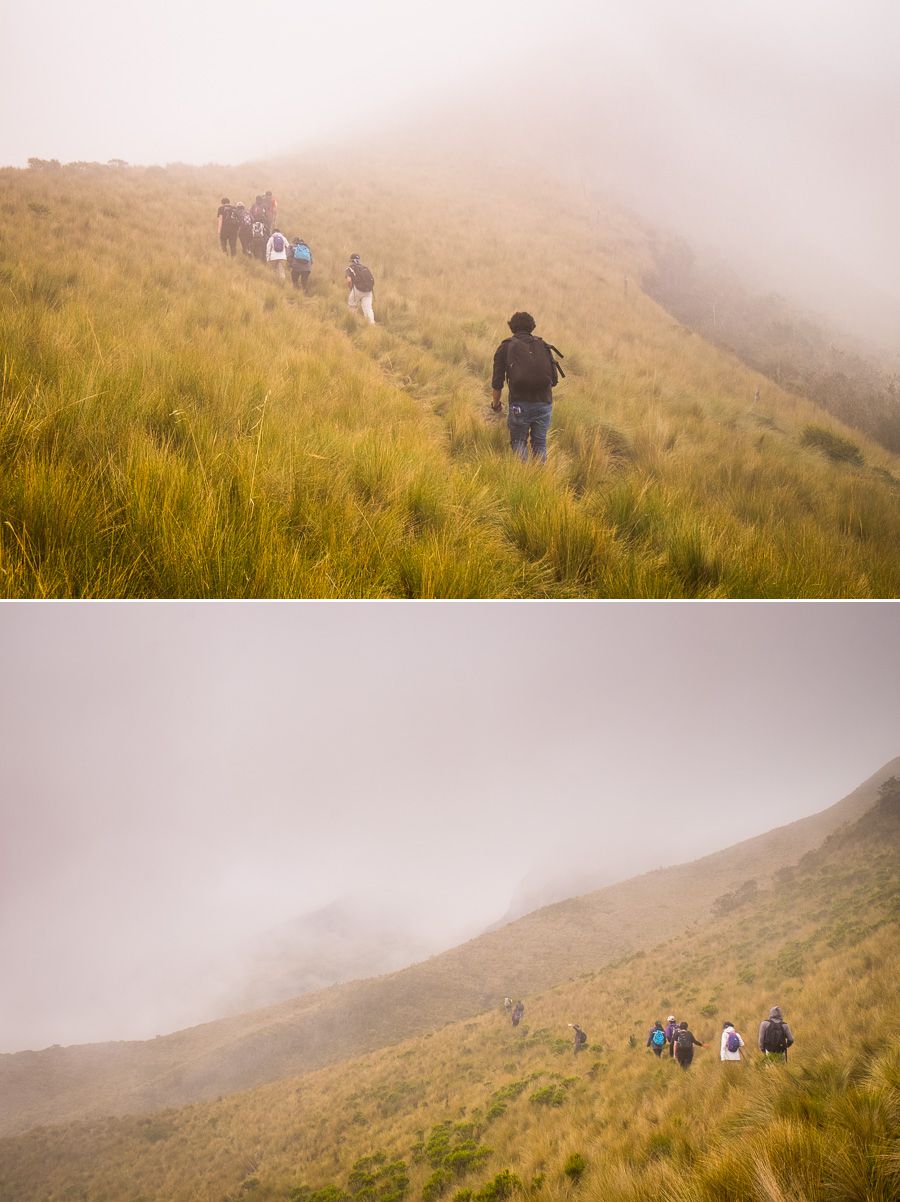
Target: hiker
{"type": "Point", "coordinates": [580, 1037]}
{"type": "Point", "coordinates": [507, 1005]}
{"type": "Point", "coordinates": [528, 364]}
{"type": "Point", "coordinates": [656, 1039]}
{"type": "Point", "coordinates": [775, 1035]}
{"type": "Point", "coordinates": [259, 239]}
{"type": "Point", "coordinates": [361, 283]}
{"type": "Point", "coordinates": [277, 253]}
{"type": "Point", "coordinates": [300, 259]}
{"type": "Point", "coordinates": [731, 1044]}
{"type": "Point", "coordinates": [518, 1011]}
{"type": "Point", "coordinates": [685, 1042]}
{"type": "Point", "coordinates": [245, 229]}
{"type": "Point", "coordinates": [670, 1032]}
{"type": "Point", "coordinates": [259, 210]}
{"type": "Point", "coordinates": [228, 222]}
{"type": "Point", "coordinates": [271, 206]}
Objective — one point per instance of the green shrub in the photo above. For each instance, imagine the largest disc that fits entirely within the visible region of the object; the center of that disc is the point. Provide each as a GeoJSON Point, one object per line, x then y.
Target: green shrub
{"type": "Point", "coordinates": [833, 445]}
{"type": "Point", "coordinates": [436, 1185]}
{"type": "Point", "coordinates": [574, 1166]}
{"type": "Point", "coordinates": [550, 1095]}
{"type": "Point", "coordinates": [502, 1186]}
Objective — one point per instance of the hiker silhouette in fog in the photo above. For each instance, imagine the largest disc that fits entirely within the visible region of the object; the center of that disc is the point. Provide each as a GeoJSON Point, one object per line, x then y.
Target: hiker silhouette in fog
{"type": "Point", "coordinates": [361, 283]}
{"type": "Point", "coordinates": [518, 1011]}
{"type": "Point", "coordinates": [528, 364]}
{"type": "Point", "coordinates": [580, 1038]}
{"type": "Point", "coordinates": [228, 224]}
{"type": "Point", "coordinates": [730, 1051]}
{"type": "Point", "coordinates": [245, 229]}
{"type": "Point", "coordinates": [685, 1042]}
{"type": "Point", "coordinates": [656, 1038]}
{"type": "Point", "coordinates": [775, 1036]}
{"type": "Point", "coordinates": [507, 1005]}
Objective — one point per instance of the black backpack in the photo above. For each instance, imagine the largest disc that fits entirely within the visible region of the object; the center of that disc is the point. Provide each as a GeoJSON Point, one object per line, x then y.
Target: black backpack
{"type": "Point", "coordinates": [580, 1038]}
{"type": "Point", "coordinates": [231, 218]}
{"type": "Point", "coordinates": [363, 280]}
{"type": "Point", "coordinates": [530, 366]}
{"type": "Point", "coordinates": [684, 1041]}
{"type": "Point", "coordinates": [775, 1039]}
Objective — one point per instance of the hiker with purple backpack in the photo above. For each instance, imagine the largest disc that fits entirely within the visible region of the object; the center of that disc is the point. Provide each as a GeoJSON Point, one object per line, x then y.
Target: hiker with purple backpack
{"type": "Point", "coordinates": [732, 1043]}
{"type": "Point", "coordinates": [277, 254]}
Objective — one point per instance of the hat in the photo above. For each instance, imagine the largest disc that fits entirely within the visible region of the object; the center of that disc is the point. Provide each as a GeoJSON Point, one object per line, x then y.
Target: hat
{"type": "Point", "coordinates": [354, 258]}
{"type": "Point", "coordinates": [671, 1018]}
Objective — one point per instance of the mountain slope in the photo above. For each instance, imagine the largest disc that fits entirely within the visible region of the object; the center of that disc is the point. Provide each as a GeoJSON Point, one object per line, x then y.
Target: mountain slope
{"type": "Point", "coordinates": [459, 1107]}
{"type": "Point", "coordinates": [536, 952]}
{"type": "Point", "coordinates": [172, 424]}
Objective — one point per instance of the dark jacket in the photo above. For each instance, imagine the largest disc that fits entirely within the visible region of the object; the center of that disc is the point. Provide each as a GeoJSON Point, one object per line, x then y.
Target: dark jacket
{"type": "Point", "coordinates": [499, 377]}
{"type": "Point", "coordinates": [774, 1017]}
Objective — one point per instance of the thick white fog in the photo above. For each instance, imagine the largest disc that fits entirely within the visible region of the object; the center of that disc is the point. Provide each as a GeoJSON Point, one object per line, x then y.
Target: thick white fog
{"type": "Point", "coordinates": [763, 130]}
{"type": "Point", "coordinates": [179, 784]}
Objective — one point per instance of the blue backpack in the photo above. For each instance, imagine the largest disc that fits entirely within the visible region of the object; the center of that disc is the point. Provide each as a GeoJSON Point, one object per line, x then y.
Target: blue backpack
{"type": "Point", "coordinates": [733, 1041]}
{"type": "Point", "coordinates": [302, 253]}
{"type": "Point", "coordinates": [658, 1038]}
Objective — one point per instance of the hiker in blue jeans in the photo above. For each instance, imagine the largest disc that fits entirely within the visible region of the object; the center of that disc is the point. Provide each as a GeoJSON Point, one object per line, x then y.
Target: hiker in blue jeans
{"type": "Point", "coordinates": [528, 365]}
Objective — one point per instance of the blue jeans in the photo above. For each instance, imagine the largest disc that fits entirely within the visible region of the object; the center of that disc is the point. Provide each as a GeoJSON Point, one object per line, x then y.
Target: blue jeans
{"type": "Point", "coordinates": [529, 417]}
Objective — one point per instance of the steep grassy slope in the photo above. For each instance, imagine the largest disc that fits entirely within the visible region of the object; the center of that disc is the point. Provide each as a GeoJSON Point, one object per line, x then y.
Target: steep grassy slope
{"type": "Point", "coordinates": [478, 1112]}
{"type": "Point", "coordinates": [174, 425]}
{"type": "Point", "coordinates": [537, 952]}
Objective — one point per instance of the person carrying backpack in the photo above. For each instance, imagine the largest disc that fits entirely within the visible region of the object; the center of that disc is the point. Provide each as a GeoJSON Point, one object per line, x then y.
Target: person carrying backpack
{"type": "Point", "coordinates": [300, 261]}
{"type": "Point", "coordinates": [671, 1030]}
{"type": "Point", "coordinates": [528, 364]}
{"type": "Point", "coordinates": [731, 1045]}
{"type": "Point", "coordinates": [362, 284]}
{"type": "Point", "coordinates": [228, 223]}
{"type": "Point", "coordinates": [277, 253]}
{"type": "Point", "coordinates": [656, 1039]}
{"type": "Point", "coordinates": [259, 239]}
{"type": "Point", "coordinates": [580, 1038]}
{"type": "Point", "coordinates": [775, 1035]}
{"type": "Point", "coordinates": [245, 229]}
{"type": "Point", "coordinates": [685, 1042]}
{"type": "Point", "coordinates": [518, 1011]}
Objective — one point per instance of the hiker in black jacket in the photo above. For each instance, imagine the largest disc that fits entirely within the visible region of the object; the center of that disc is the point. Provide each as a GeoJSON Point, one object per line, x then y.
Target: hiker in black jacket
{"type": "Point", "coordinates": [775, 1035]}
{"type": "Point", "coordinates": [685, 1042]}
{"type": "Point", "coordinates": [528, 365]}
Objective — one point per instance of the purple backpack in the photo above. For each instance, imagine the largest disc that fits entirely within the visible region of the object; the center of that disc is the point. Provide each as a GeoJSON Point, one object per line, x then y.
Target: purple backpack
{"type": "Point", "coordinates": [733, 1042]}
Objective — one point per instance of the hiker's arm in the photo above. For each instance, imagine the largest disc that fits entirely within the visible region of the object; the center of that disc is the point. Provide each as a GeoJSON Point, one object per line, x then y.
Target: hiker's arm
{"type": "Point", "coordinates": [499, 375]}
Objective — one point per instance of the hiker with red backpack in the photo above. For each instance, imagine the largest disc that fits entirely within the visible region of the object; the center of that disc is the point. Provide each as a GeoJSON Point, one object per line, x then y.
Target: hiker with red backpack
{"type": "Point", "coordinates": [656, 1039]}
{"type": "Point", "coordinates": [730, 1052]}
{"type": "Point", "coordinates": [361, 283]}
{"type": "Point", "coordinates": [775, 1036]}
{"type": "Point", "coordinates": [685, 1042]}
{"type": "Point", "coordinates": [228, 223]}
{"type": "Point", "coordinates": [529, 366]}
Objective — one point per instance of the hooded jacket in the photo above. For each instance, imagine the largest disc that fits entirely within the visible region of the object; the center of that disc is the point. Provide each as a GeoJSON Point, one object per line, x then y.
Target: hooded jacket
{"type": "Point", "coordinates": [774, 1017]}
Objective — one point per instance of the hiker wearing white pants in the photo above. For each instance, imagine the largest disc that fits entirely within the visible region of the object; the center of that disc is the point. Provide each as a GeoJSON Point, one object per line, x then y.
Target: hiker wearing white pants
{"type": "Point", "coordinates": [361, 283]}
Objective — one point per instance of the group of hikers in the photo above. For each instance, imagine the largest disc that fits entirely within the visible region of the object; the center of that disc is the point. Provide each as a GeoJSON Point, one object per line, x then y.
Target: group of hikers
{"type": "Point", "coordinates": [678, 1041]}
{"type": "Point", "coordinates": [260, 237]}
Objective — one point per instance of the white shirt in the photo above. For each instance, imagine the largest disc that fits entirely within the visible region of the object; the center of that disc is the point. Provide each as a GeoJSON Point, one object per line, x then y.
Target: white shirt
{"type": "Point", "coordinates": [725, 1054]}
{"type": "Point", "coordinates": [275, 255]}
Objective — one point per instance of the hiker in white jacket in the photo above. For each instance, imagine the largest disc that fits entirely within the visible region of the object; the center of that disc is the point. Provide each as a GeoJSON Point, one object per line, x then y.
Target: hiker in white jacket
{"type": "Point", "coordinates": [726, 1052]}
{"type": "Point", "coordinates": [277, 253]}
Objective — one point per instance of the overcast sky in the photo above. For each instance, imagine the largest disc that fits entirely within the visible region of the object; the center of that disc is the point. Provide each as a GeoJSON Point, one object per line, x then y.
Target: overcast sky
{"type": "Point", "coordinates": [176, 778]}
{"type": "Point", "coordinates": [764, 130]}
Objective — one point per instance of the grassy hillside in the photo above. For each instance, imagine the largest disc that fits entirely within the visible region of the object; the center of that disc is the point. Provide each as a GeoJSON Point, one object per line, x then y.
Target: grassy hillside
{"type": "Point", "coordinates": [478, 1112]}
{"type": "Point", "coordinates": [535, 953]}
{"type": "Point", "coordinates": [172, 424]}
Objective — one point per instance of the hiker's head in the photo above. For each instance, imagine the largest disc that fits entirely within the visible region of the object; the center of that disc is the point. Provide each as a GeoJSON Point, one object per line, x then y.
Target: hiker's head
{"type": "Point", "coordinates": [775, 1014]}
{"type": "Point", "coordinates": [225, 200]}
{"type": "Point", "coordinates": [354, 258]}
{"type": "Point", "coordinates": [658, 1023]}
{"type": "Point", "coordinates": [239, 205]}
{"type": "Point", "coordinates": [727, 1025]}
{"type": "Point", "coordinates": [268, 194]}
{"type": "Point", "coordinates": [682, 1026]}
{"type": "Point", "coordinates": [521, 323]}
{"type": "Point", "coordinates": [671, 1018]}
